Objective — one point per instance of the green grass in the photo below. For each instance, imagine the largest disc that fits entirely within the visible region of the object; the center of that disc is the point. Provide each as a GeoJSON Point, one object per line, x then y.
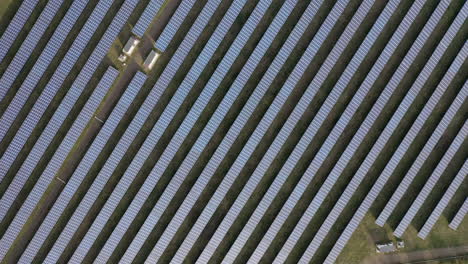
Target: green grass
{"type": "Point", "coordinates": [4, 5]}
{"type": "Point", "coordinates": [362, 243]}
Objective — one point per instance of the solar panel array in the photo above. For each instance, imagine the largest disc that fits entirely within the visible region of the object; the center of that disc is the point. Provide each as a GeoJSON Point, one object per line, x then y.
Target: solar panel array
{"type": "Point", "coordinates": [462, 212]}
{"type": "Point", "coordinates": [15, 26]}
{"type": "Point", "coordinates": [70, 161]}
{"type": "Point", "coordinates": [49, 52]}
{"type": "Point", "coordinates": [28, 45]}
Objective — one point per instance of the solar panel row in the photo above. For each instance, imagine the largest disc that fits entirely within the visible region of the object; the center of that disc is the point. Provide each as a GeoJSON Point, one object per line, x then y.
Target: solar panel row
{"type": "Point", "coordinates": [432, 181]}
{"type": "Point", "coordinates": [163, 123]}
{"type": "Point", "coordinates": [262, 127]}
{"type": "Point", "coordinates": [151, 9]}
{"type": "Point", "coordinates": [462, 212]}
{"type": "Point", "coordinates": [119, 151]}
{"type": "Point", "coordinates": [55, 163]}
{"type": "Point", "coordinates": [83, 168]}
{"type": "Point", "coordinates": [359, 136]}
{"type": "Point", "coordinates": [54, 84]}
{"type": "Point", "coordinates": [218, 116]}
{"type": "Point", "coordinates": [49, 52]}
{"type": "Point", "coordinates": [63, 110]}
{"type": "Point", "coordinates": [185, 128]}
{"type": "Point", "coordinates": [442, 204]}
{"type": "Point", "coordinates": [27, 46]}
{"type": "Point", "coordinates": [313, 127]}
{"type": "Point", "coordinates": [149, 104]}
{"type": "Point", "coordinates": [15, 27]}
{"type": "Point", "coordinates": [170, 30]}
{"type": "Point", "coordinates": [281, 138]}
{"type": "Point", "coordinates": [403, 186]}
{"type": "Point", "coordinates": [380, 183]}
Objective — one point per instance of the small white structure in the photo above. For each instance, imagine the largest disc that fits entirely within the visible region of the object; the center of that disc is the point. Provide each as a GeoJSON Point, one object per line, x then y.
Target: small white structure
{"type": "Point", "coordinates": [130, 46]}
{"type": "Point", "coordinates": [400, 244]}
{"type": "Point", "coordinates": [122, 58]}
{"type": "Point", "coordinates": [385, 248]}
{"type": "Point", "coordinates": [151, 60]}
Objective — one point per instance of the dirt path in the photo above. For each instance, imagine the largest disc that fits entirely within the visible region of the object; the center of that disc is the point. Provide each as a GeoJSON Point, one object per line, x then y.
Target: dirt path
{"type": "Point", "coordinates": [423, 256]}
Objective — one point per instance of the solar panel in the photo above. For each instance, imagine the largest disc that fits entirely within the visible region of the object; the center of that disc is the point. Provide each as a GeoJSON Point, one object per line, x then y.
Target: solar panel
{"type": "Point", "coordinates": [218, 116]}
{"type": "Point", "coordinates": [314, 126]}
{"type": "Point", "coordinates": [372, 195]}
{"type": "Point", "coordinates": [65, 107]}
{"type": "Point", "coordinates": [151, 9]}
{"type": "Point", "coordinates": [54, 84]}
{"type": "Point", "coordinates": [280, 139]}
{"type": "Point", "coordinates": [49, 52]}
{"type": "Point", "coordinates": [146, 108]}
{"type": "Point", "coordinates": [359, 136]}
{"type": "Point", "coordinates": [417, 164]}
{"type": "Point", "coordinates": [173, 25]}
{"type": "Point", "coordinates": [56, 161]}
{"type": "Point", "coordinates": [164, 120]}
{"type": "Point", "coordinates": [261, 128]}
{"type": "Point", "coordinates": [15, 26]}
{"type": "Point", "coordinates": [28, 45]}
{"type": "Point", "coordinates": [432, 181]}
{"type": "Point", "coordinates": [462, 212]}
{"type": "Point", "coordinates": [83, 168]}
{"type": "Point", "coordinates": [188, 124]}
{"type": "Point", "coordinates": [449, 193]}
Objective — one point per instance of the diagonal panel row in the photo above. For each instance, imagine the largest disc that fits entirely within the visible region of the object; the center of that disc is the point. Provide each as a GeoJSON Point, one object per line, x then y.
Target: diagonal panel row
{"type": "Point", "coordinates": [83, 168]}
{"type": "Point", "coordinates": [380, 183]}
{"type": "Point", "coordinates": [27, 47]}
{"type": "Point", "coordinates": [462, 212]}
{"type": "Point", "coordinates": [171, 28]}
{"type": "Point", "coordinates": [417, 164]}
{"type": "Point", "coordinates": [150, 141]}
{"type": "Point", "coordinates": [219, 115]}
{"type": "Point", "coordinates": [314, 126]}
{"type": "Point", "coordinates": [432, 181]}
{"type": "Point", "coordinates": [151, 9]}
{"type": "Point", "coordinates": [66, 145]}
{"type": "Point", "coordinates": [159, 128]}
{"type": "Point", "coordinates": [364, 129]}
{"type": "Point", "coordinates": [15, 27]}
{"type": "Point", "coordinates": [261, 128]}
{"type": "Point", "coordinates": [60, 115]}
{"type": "Point", "coordinates": [54, 84]}
{"type": "Point", "coordinates": [49, 52]}
{"type": "Point", "coordinates": [430, 222]}
{"type": "Point", "coordinates": [127, 138]}
{"type": "Point", "coordinates": [184, 130]}
{"type": "Point", "coordinates": [284, 133]}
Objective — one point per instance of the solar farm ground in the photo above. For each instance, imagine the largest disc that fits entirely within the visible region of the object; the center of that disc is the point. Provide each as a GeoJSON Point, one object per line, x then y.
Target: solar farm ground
{"type": "Point", "coordinates": [361, 246]}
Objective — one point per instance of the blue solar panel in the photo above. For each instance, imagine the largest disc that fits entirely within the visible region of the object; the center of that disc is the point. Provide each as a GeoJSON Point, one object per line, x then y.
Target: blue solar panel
{"type": "Point", "coordinates": [152, 8]}
{"type": "Point", "coordinates": [432, 181]}
{"type": "Point", "coordinates": [15, 26]}
{"type": "Point", "coordinates": [462, 212]}
{"type": "Point", "coordinates": [403, 186]}
{"type": "Point", "coordinates": [56, 81]}
{"type": "Point", "coordinates": [262, 127]}
{"type": "Point", "coordinates": [56, 161]}
{"type": "Point", "coordinates": [218, 116]}
{"type": "Point", "coordinates": [360, 135]}
{"type": "Point", "coordinates": [163, 122]}
{"type": "Point", "coordinates": [146, 108]}
{"type": "Point", "coordinates": [44, 59]}
{"type": "Point", "coordinates": [444, 201]}
{"type": "Point", "coordinates": [173, 25]}
{"type": "Point", "coordinates": [187, 125]}
{"type": "Point", "coordinates": [83, 168]}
